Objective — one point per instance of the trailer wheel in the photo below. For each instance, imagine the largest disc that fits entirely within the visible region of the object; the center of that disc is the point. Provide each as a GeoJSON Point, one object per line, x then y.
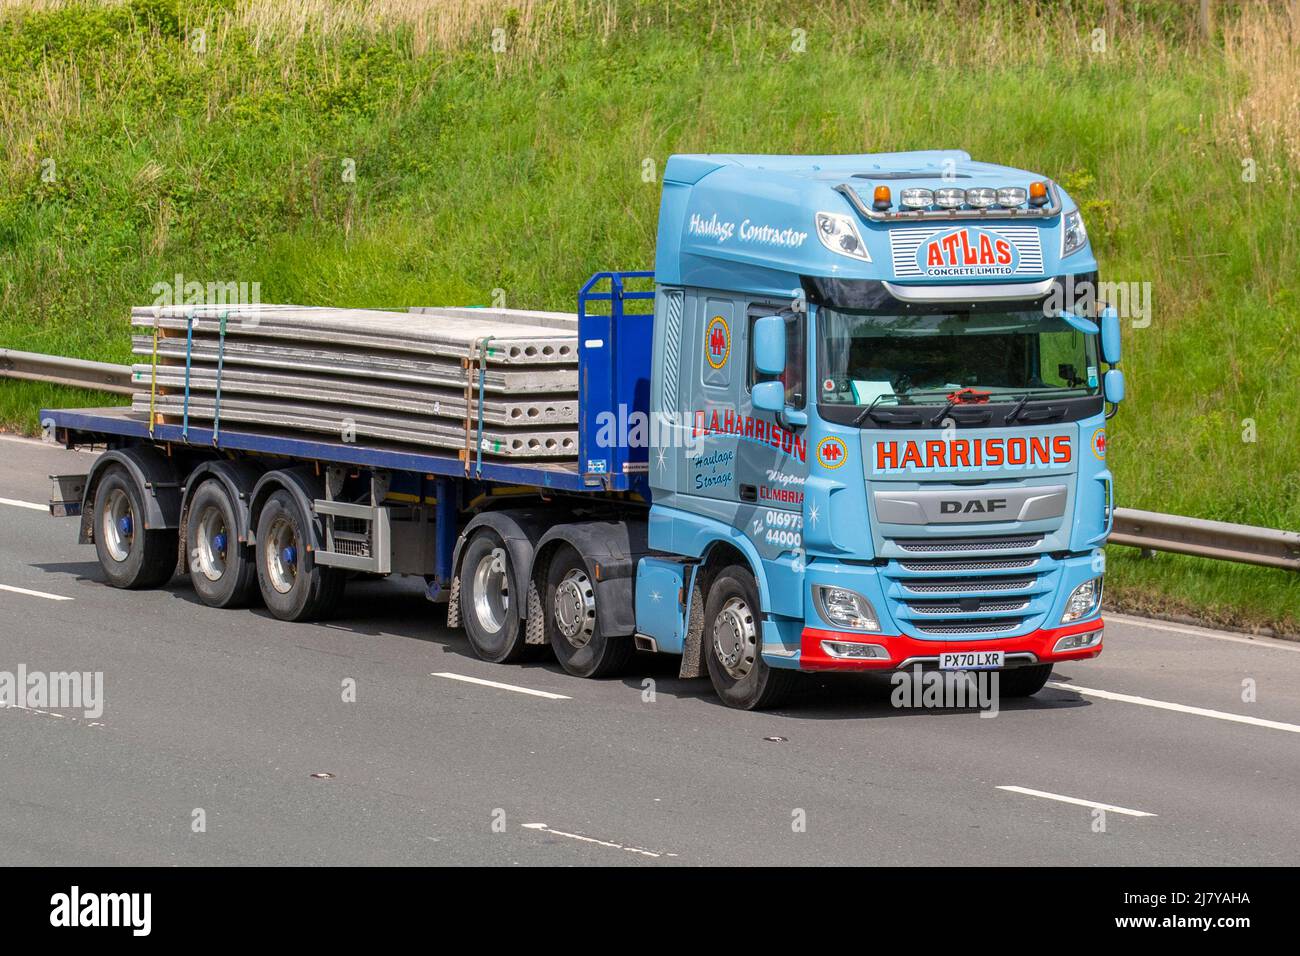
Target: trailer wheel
{"type": "Point", "coordinates": [293, 585]}
{"type": "Point", "coordinates": [1023, 681]}
{"type": "Point", "coordinates": [221, 571]}
{"type": "Point", "coordinates": [572, 627]}
{"type": "Point", "coordinates": [733, 645]}
{"type": "Point", "coordinates": [131, 556]}
{"type": "Point", "coordinates": [488, 605]}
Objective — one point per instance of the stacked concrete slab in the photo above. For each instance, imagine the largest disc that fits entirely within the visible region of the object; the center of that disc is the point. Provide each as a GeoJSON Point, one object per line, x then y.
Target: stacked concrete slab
{"type": "Point", "coordinates": [501, 380]}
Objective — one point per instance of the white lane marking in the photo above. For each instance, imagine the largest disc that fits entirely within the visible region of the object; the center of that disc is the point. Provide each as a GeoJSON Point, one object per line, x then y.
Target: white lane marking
{"type": "Point", "coordinates": [500, 686]}
{"type": "Point", "coordinates": [39, 594]}
{"type": "Point", "coordinates": [5, 705]}
{"type": "Point", "coordinates": [1270, 642]}
{"type": "Point", "coordinates": [1177, 708]}
{"type": "Point", "coordinates": [54, 446]}
{"type": "Point", "coordinates": [24, 504]}
{"type": "Point", "coordinates": [586, 839]}
{"type": "Point", "coordinates": [1078, 802]}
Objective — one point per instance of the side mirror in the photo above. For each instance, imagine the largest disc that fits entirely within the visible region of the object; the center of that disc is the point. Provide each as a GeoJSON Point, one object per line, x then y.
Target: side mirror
{"type": "Point", "coordinates": [769, 346]}
{"type": "Point", "coordinates": [1086, 326]}
{"type": "Point", "coordinates": [1112, 386]}
{"type": "Point", "coordinates": [768, 396]}
{"type": "Point", "coordinates": [1110, 336]}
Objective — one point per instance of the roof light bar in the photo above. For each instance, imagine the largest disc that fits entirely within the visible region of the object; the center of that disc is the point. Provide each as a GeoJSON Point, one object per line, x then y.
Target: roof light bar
{"type": "Point", "coordinates": [952, 202]}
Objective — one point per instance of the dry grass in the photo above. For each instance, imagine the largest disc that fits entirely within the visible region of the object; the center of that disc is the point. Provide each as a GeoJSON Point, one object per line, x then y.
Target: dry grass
{"type": "Point", "coordinates": [1262, 48]}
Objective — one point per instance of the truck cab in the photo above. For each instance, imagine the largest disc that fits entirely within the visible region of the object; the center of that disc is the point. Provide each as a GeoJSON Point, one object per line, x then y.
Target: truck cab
{"type": "Point", "coordinates": [881, 384]}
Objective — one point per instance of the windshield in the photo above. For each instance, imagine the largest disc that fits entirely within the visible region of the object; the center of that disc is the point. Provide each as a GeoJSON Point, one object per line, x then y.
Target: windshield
{"type": "Point", "coordinates": [887, 359]}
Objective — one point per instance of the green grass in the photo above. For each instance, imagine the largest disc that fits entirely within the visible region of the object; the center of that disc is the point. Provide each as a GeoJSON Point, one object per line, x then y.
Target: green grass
{"type": "Point", "coordinates": [523, 172]}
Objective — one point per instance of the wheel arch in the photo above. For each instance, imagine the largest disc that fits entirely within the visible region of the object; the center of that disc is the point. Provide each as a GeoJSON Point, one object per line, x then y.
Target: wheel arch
{"type": "Point", "coordinates": [155, 479]}
{"type": "Point", "coordinates": [240, 479]}
{"type": "Point", "coordinates": [611, 550]}
{"type": "Point", "coordinates": [303, 484]}
{"type": "Point", "coordinates": [519, 531]}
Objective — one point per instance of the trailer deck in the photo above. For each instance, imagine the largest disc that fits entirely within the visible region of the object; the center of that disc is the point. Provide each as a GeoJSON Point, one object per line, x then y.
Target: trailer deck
{"type": "Point", "coordinates": [94, 426]}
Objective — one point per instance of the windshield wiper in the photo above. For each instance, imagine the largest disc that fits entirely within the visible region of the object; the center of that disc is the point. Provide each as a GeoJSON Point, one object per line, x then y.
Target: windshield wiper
{"type": "Point", "coordinates": [946, 409]}
{"type": "Point", "coordinates": [870, 409]}
{"type": "Point", "coordinates": [1015, 412]}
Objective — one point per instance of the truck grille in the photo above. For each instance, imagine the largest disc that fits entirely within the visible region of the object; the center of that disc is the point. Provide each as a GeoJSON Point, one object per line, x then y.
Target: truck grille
{"type": "Point", "coordinates": [965, 585]}
{"type": "Point", "coordinates": [974, 564]}
{"type": "Point", "coordinates": [988, 626]}
{"type": "Point", "coordinates": [968, 545]}
{"type": "Point", "coordinates": [951, 596]}
{"type": "Point", "coordinates": [975, 605]}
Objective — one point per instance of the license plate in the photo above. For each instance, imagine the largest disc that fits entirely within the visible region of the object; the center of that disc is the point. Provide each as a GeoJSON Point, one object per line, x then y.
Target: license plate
{"type": "Point", "coordinates": [971, 660]}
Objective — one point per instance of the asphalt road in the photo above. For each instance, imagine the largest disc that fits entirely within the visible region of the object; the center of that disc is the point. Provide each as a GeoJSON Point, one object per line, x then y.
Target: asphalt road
{"type": "Point", "coordinates": [233, 712]}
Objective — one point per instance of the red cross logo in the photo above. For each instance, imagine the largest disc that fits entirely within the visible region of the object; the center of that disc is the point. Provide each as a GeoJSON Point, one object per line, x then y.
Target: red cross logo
{"type": "Point", "coordinates": [718, 339]}
{"type": "Point", "coordinates": [1099, 444]}
{"type": "Point", "coordinates": [831, 452]}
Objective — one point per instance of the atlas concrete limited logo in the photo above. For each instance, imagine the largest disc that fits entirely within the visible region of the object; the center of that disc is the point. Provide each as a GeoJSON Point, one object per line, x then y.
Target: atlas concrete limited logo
{"type": "Point", "coordinates": [967, 251]}
{"type": "Point", "coordinates": [717, 342]}
{"type": "Point", "coordinates": [1099, 444]}
{"type": "Point", "coordinates": [831, 452]}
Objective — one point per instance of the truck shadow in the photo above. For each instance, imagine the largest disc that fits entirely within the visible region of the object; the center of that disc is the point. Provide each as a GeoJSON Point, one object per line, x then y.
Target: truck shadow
{"type": "Point", "coordinates": [398, 608]}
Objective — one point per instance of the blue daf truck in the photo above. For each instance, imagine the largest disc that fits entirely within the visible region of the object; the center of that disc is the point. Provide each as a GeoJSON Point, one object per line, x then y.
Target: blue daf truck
{"type": "Point", "coordinates": [854, 420]}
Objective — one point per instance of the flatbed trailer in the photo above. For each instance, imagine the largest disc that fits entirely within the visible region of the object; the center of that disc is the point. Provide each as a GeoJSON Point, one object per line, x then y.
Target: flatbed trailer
{"type": "Point", "coordinates": [835, 429]}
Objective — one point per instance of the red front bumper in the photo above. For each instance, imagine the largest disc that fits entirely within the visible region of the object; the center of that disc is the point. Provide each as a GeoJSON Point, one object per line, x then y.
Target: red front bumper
{"type": "Point", "coordinates": [901, 648]}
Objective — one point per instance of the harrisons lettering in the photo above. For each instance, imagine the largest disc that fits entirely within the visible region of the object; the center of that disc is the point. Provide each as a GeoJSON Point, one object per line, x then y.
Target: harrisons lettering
{"type": "Point", "coordinates": [1034, 452]}
{"type": "Point", "coordinates": [728, 422]}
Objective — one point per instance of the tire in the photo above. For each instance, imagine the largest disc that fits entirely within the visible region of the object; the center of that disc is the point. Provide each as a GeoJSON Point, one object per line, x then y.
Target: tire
{"type": "Point", "coordinates": [733, 642]}
{"type": "Point", "coordinates": [221, 569]}
{"type": "Point", "coordinates": [293, 586]}
{"type": "Point", "coordinates": [489, 606]}
{"type": "Point", "coordinates": [572, 625]}
{"type": "Point", "coordinates": [131, 557]}
{"type": "Point", "coordinates": [1023, 681]}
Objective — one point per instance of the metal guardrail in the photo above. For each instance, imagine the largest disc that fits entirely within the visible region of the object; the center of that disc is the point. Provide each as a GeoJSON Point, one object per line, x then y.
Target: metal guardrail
{"type": "Point", "coordinates": [1220, 540]}
{"type": "Point", "coordinates": [1148, 530]}
{"type": "Point", "coordinates": [79, 373]}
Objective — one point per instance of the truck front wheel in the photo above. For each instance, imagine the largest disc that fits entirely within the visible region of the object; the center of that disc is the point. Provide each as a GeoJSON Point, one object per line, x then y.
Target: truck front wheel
{"type": "Point", "coordinates": [733, 644]}
{"type": "Point", "coordinates": [131, 556]}
{"type": "Point", "coordinates": [294, 586]}
{"type": "Point", "coordinates": [572, 625]}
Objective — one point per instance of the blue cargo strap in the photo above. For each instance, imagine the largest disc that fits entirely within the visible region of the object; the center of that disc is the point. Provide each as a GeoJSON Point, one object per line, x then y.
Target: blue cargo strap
{"type": "Point", "coordinates": [221, 356]}
{"type": "Point", "coordinates": [153, 375]}
{"type": "Point", "coordinates": [189, 346]}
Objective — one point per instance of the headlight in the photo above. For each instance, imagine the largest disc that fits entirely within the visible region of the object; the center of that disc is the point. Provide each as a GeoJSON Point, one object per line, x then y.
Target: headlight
{"type": "Point", "coordinates": [1083, 602]}
{"type": "Point", "coordinates": [839, 234]}
{"type": "Point", "coordinates": [950, 197]}
{"type": "Point", "coordinates": [1074, 236]}
{"type": "Point", "coordinates": [981, 197]}
{"type": "Point", "coordinates": [1012, 196]}
{"type": "Point", "coordinates": [846, 609]}
{"type": "Point", "coordinates": [917, 198]}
